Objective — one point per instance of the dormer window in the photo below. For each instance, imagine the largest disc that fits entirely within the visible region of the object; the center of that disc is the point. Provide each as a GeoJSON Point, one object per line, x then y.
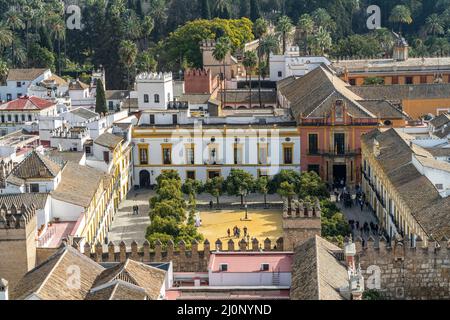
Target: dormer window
{"type": "Point", "coordinates": [264, 267]}
{"type": "Point", "coordinates": [223, 267]}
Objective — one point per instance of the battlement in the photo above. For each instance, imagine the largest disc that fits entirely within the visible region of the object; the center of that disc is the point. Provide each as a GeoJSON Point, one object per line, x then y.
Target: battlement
{"type": "Point", "coordinates": [152, 76]}
{"type": "Point", "coordinates": [200, 81]}
{"type": "Point", "coordinates": [13, 217]}
{"type": "Point", "coordinates": [402, 249]}
{"type": "Point", "coordinates": [300, 209]}
{"type": "Point", "coordinates": [184, 260]}
{"type": "Point", "coordinates": [208, 44]}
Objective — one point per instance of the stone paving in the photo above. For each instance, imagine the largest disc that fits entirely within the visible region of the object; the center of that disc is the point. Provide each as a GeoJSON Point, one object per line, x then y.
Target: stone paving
{"type": "Point", "coordinates": [128, 227]}
{"type": "Point", "coordinates": [354, 213]}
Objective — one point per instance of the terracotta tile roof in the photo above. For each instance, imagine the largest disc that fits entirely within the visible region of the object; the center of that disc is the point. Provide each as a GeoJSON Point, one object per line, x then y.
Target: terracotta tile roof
{"type": "Point", "coordinates": [56, 79]}
{"type": "Point", "coordinates": [118, 290]}
{"type": "Point", "coordinates": [317, 273]}
{"type": "Point", "coordinates": [403, 91]}
{"type": "Point", "coordinates": [37, 199]}
{"type": "Point", "coordinates": [24, 74]}
{"type": "Point", "coordinates": [49, 280]}
{"type": "Point", "coordinates": [34, 166]}
{"type": "Point", "coordinates": [440, 120]}
{"type": "Point", "coordinates": [78, 184]}
{"type": "Point", "coordinates": [27, 103]}
{"type": "Point", "coordinates": [78, 85]}
{"type": "Point", "coordinates": [84, 113]}
{"type": "Point", "coordinates": [314, 94]}
{"type": "Point", "coordinates": [416, 191]}
{"type": "Point", "coordinates": [108, 140]}
{"type": "Point", "coordinates": [149, 278]}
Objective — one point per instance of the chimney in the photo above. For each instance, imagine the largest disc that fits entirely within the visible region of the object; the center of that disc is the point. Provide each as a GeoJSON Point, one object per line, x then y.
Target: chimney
{"type": "Point", "coordinates": [3, 289]}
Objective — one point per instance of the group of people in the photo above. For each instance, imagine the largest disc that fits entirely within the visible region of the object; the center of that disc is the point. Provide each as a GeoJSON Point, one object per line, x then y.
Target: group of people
{"type": "Point", "coordinates": [365, 228]}
{"type": "Point", "coordinates": [135, 210]}
{"type": "Point", "coordinates": [237, 232]}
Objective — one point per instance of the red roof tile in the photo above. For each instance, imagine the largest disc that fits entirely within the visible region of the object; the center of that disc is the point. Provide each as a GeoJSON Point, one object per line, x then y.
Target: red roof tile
{"type": "Point", "coordinates": [27, 103]}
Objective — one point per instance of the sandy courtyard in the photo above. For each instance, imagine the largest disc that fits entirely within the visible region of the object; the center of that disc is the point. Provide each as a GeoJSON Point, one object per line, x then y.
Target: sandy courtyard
{"type": "Point", "coordinates": [264, 224]}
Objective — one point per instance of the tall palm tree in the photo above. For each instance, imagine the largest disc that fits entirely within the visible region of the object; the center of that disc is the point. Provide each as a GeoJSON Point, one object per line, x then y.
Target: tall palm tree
{"type": "Point", "coordinates": [434, 25]}
{"type": "Point", "coordinates": [249, 62]}
{"type": "Point", "coordinates": [58, 33]}
{"type": "Point", "coordinates": [220, 53]}
{"type": "Point", "coordinates": [3, 71]}
{"type": "Point", "coordinates": [15, 23]}
{"type": "Point", "coordinates": [385, 38]}
{"type": "Point", "coordinates": [267, 45]}
{"type": "Point", "coordinates": [260, 27]}
{"type": "Point", "coordinates": [306, 26]}
{"type": "Point", "coordinates": [284, 27]}
{"type": "Point", "coordinates": [128, 53]}
{"type": "Point", "coordinates": [322, 18]}
{"type": "Point", "coordinates": [6, 36]}
{"type": "Point", "coordinates": [28, 15]}
{"type": "Point", "coordinates": [222, 8]}
{"type": "Point", "coordinates": [322, 41]}
{"type": "Point", "coordinates": [400, 14]}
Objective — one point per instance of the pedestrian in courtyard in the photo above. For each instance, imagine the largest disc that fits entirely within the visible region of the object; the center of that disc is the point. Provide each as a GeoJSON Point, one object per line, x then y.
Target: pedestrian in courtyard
{"type": "Point", "coordinates": [361, 204]}
{"type": "Point", "coordinates": [137, 210]}
{"type": "Point", "coordinates": [245, 231]}
{"type": "Point", "coordinates": [228, 232]}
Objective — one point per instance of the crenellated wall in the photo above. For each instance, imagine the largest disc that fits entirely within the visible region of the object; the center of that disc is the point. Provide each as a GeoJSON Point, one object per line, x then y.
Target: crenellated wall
{"type": "Point", "coordinates": [184, 259]}
{"type": "Point", "coordinates": [407, 271]}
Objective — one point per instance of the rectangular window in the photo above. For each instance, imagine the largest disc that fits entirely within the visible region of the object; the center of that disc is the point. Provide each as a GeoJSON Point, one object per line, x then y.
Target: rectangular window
{"type": "Point", "coordinates": [287, 154]}
{"type": "Point", "coordinates": [395, 80]}
{"type": "Point", "coordinates": [3, 118]}
{"type": "Point", "coordinates": [19, 84]}
{"type": "Point", "coordinates": [19, 95]}
{"type": "Point", "coordinates": [423, 79]}
{"type": "Point", "coordinates": [264, 267]}
{"type": "Point", "coordinates": [8, 97]}
{"type": "Point", "coordinates": [190, 175]}
{"type": "Point", "coordinates": [156, 98]}
{"type": "Point", "coordinates": [167, 155]}
{"type": "Point", "coordinates": [313, 143]}
{"type": "Point", "coordinates": [262, 153]}
{"type": "Point", "coordinates": [352, 82]}
{"type": "Point", "coordinates": [409, 80]}
{"type": "Point", "coordinates": [339, 143]}
{"type": "Point", "coordinates": [213, 173]}
{"type": "Point", "coordinates": [16, 118]}
{"type": "Point", "coordinates": [143, 155]}
{"type": "Point", "coordinates": [34, 188]}
{"type": "Point", "coordinates": [111, 105]}
{"type": "Point", "coordinates": [174, 119]}
{"type": "Point", "coordinates": [152, 119]}
{"type": "Point", "coordinates": [30, 118]}
{"type": "Point", "coordinates": [190, 155]}
{"type": "Point", "coordinates": [223, 267]}
{"type": "Point", "coordinates": [237, 153]}
{"type": "Point", "coordinates": [280, 74]}
{"type": "Point", "coordinates": [23, 118]}
{"type": "Point", "coordinates": [9, 118]}
{"type": "Point", "coordinates": [88, 149]}
{"type": "Point", "coordinates": [106, 156]}
{"type": "Point", "coordinates": [146, 99]}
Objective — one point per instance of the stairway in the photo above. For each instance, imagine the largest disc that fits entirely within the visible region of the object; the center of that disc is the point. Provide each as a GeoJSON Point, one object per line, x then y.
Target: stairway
{"type": "Point", "coordinates": [275, 278]}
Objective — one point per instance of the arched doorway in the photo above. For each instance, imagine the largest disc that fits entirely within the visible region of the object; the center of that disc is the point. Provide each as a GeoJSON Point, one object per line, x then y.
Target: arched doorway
{"type": "Point", "coordinates": [144, 179]}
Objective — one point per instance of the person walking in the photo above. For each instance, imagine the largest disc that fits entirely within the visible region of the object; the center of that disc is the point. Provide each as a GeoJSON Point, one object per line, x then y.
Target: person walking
{"type": "Point", "coordinates": [245, 231]}
{"type": "Point", "coordinates": [228, 232]}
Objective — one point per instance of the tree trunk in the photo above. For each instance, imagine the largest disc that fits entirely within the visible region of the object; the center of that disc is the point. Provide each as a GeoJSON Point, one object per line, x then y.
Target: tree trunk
{"type": "Point", "coordinates": [242, 200]}
{"type": "Point", "coordinates": [59, 57]}
{"type": "Point", "coordinates": [224, 84]}
{"type": "Point", "coordinates": [259, 81]}
{"type": "Point", "coordinates": [217, 199]}
{"type": "Point", "coordinates": [265, 200]}
{"type": "Point", "coordinates": [284, 43]}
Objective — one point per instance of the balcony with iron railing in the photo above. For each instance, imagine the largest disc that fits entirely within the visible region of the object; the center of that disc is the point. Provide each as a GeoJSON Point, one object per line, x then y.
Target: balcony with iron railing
{"type": "Point", "coordinates": [337, 152]}
{"type": "Point", "coordinates": [328, 122]}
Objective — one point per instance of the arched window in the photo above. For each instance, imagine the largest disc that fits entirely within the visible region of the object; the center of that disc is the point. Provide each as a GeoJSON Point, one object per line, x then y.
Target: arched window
{"type": "Point", "coordinates": [156, 98]}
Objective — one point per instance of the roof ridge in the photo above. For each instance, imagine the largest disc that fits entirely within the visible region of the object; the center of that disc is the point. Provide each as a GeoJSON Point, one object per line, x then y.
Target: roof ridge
{"type": "Point", "coordinates": [64, 252]}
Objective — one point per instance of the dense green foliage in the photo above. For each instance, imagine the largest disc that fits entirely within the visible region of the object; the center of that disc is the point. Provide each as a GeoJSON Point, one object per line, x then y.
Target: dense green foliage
{"type": "Point", "coordinates": [100, 99]}
{"type": "Point", "coordinates": [130, 36]}
{"type": "Point", "coordinates": [169, 216]}
{"type": "Point", "coordinates": [334, 225]}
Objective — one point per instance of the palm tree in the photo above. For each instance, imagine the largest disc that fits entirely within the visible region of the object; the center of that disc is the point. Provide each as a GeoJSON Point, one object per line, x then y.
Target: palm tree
{"type": "Point", "coordinates": [434, 25]}
{"type": "Point", "coordinates": [284, 27]}
{"type": "Point", "coordinates": [128, 53]}
{"type": "Point", "coordinates": [402, 15]}
{"type": "Point", "coordinates": [222, 8]}
{"type": "Point", "coordinates": [249, 62]}
{"type": "Point", "coordinates": [321, 41]}
{"type": "Point", "coordinates": [6, 36]}
{"type": "Point", "coordinates": [267, 45]}
{"type": "Point", "coordinates": [385, 38]}
{"type": "Point", "coordinates": [28, 15]}
{"type": "Point", "coordinates": [58, 33]}
{"type": "Point", "coordinates": [220, 53]}
{"type": "Point", "coordinates": [306, 26]}
{"type": "Point", "coordinates": [3, 71]}
{"type": "Point", "coordinates": [260, 27]}
{"type": "Point", "coordinates": [322, 18]}
{"type": "Point", "coordinates": [15, 23]}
